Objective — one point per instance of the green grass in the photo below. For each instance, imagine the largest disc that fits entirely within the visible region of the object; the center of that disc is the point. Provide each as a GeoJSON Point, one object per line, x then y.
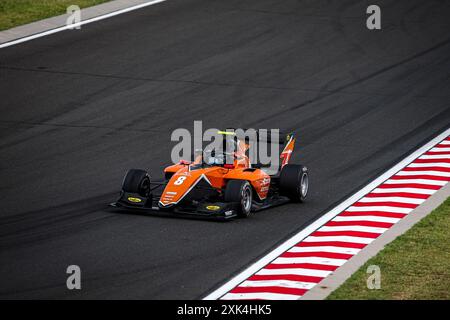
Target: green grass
{"type": "Point", "coordinates": [416, 265]}
{"type": "Point", "coordinates": [17, 12]}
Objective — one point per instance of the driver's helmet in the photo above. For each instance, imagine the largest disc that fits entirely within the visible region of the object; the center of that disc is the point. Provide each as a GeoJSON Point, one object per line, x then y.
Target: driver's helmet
{"type": "Point", "coordinates": [217, 159]}
{"type": "Point", "coordinates": [220, 156]}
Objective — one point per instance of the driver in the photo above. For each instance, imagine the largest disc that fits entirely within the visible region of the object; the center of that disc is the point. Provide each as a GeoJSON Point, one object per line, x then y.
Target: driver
{"type": "Point", "coordinates": [216, 159]}
{"type": "Point", "coordinates": [220, 156]}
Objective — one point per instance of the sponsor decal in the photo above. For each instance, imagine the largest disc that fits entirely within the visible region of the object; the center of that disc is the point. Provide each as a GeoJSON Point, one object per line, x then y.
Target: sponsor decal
{"type": "Point", "coordinates": [135, 200]}
{"type": "Point", "coordinates": [213, 208]}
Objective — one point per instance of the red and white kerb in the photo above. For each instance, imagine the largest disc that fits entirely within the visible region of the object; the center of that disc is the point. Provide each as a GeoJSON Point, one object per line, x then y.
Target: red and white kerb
{"type": "Point", "coordinates": [291, 274]}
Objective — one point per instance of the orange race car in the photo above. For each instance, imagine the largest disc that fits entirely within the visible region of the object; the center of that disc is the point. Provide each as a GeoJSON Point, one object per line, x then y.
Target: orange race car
{"type": "Point", "coordinates": [213, 187]}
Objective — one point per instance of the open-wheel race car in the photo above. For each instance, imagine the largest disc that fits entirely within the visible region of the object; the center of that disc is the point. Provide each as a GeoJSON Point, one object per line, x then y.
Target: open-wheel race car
{"type": "Point", "coordinates": [211, 187]}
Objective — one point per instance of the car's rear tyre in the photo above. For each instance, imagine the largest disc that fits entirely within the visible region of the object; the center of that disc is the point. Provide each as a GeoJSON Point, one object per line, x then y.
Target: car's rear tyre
{"type": "Point", "coordinates": [137, 181]}
{"type": "Point", "coordinates": [294, 182]}
{"type": "Point", "coordinates": [240, 191]}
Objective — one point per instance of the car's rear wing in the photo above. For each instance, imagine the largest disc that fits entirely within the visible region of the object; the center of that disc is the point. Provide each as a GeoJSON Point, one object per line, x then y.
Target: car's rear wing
{"type": "Point", "coordinates": [286, 142]}
{"type": "Point", "coordinates": [258, 135]}
{"type": "Point", "coordinates": [285, 155]}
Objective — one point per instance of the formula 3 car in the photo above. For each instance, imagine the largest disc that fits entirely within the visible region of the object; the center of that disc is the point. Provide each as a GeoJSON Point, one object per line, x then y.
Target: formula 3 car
{"type": "Point", "coordinates": [212, 188]}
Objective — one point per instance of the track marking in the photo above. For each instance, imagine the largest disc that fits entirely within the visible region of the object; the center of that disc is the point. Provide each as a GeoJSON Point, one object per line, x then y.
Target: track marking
{"type": "Point", "coordinates": [353, 228]}
{"type": "Point", "coordinates": [352, 251]}
{"type": "Point", "coordinates": [429, 172]}
{"type": "Point", "coordinates": [417, 181]}
{"type": "Point", "coordinates": [81, 23]}
{"type": "Point", "coordinates": [331, 240]}
{"type": "Point", "coordinates": [278, 283]}
{"type": "Point", "coordinates": [379, 208]}
{"type": "Point", "coordinates": [295, 271]}
{"type": "Point", "coordinates": [410, 200]}
{"type": "Point", "coordinates": [315, 260]}
{"type": "Point", "coordinates": [441, 165]}
{"type": "Point", "coordinates": [255, 296]}
{"type": "Point", "coordinates": [367, 218]}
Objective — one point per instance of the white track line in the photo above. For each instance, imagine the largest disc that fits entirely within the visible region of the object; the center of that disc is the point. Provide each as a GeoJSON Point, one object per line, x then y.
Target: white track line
{"type": "Point", "coordinates": [259, 295]}
{"type": "Point", "coordinates": [331, 249]}
{"type": "Point", "coordinates": [367, 218]}
{"type": "Point", "coordinates": [72, 26]}
{"type": "Point", "coordinates": [392, 199]}
{"type": "Point", "coordinates": [435, 156]}
{"type": "Point", "coordinates": [420, 181]}
{"type": "Point", "coordinates": [442, 165]}
{"type": "Point", "coordinates": [431, 173]}
{"type": "Point", "coordinates": [408, 190]}
{"type": "Point", "coordinates": [379, 208]}
{"type": "Point", "coordinates": [317, 260]}
{"type": "Point", "coordinates": [278, 283]}
{"type": "Point", "coordinates": [441, 149]}
{"type": "Point", "coordinates": [295, 271]}
{"type": "Point", "coordinates": [258, 265]}
{"type": "Point", "coordinates": [339, 238]}
{"type": "Point", "coordinates": [353, 228]}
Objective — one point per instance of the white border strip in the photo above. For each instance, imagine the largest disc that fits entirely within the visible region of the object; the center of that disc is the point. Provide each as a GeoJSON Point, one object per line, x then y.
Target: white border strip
{"type": "Point", "coordinates": [72, 26]}
{"type": "Point", "coordinates": [235, 281]}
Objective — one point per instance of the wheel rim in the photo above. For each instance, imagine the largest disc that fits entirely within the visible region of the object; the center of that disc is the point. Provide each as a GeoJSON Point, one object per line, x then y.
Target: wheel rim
{"type": "Point", "coordinates": [304, 185]}
{"type": "Point", "coordinates": [246, 199]}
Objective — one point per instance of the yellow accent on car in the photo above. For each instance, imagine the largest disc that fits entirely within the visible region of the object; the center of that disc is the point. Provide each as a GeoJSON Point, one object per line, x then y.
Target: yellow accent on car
{"type": "Point", "coordinates": [227, 133]}
{"type": "Point", "coordinates": [213, 208]}
{"type": "Point", "coordinates": [133, 199]}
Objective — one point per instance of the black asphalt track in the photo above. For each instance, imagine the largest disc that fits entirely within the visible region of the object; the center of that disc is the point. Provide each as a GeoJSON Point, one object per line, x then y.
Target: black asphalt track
{"type": "Point", "coordinates": [79, 108]}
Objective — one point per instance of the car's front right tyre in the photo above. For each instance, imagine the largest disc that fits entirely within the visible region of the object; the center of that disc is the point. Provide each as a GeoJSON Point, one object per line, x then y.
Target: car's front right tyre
{"type": "Point", "coordinates": [136, 181]}
{"type": "Point", "coordinates": [240, 192]}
